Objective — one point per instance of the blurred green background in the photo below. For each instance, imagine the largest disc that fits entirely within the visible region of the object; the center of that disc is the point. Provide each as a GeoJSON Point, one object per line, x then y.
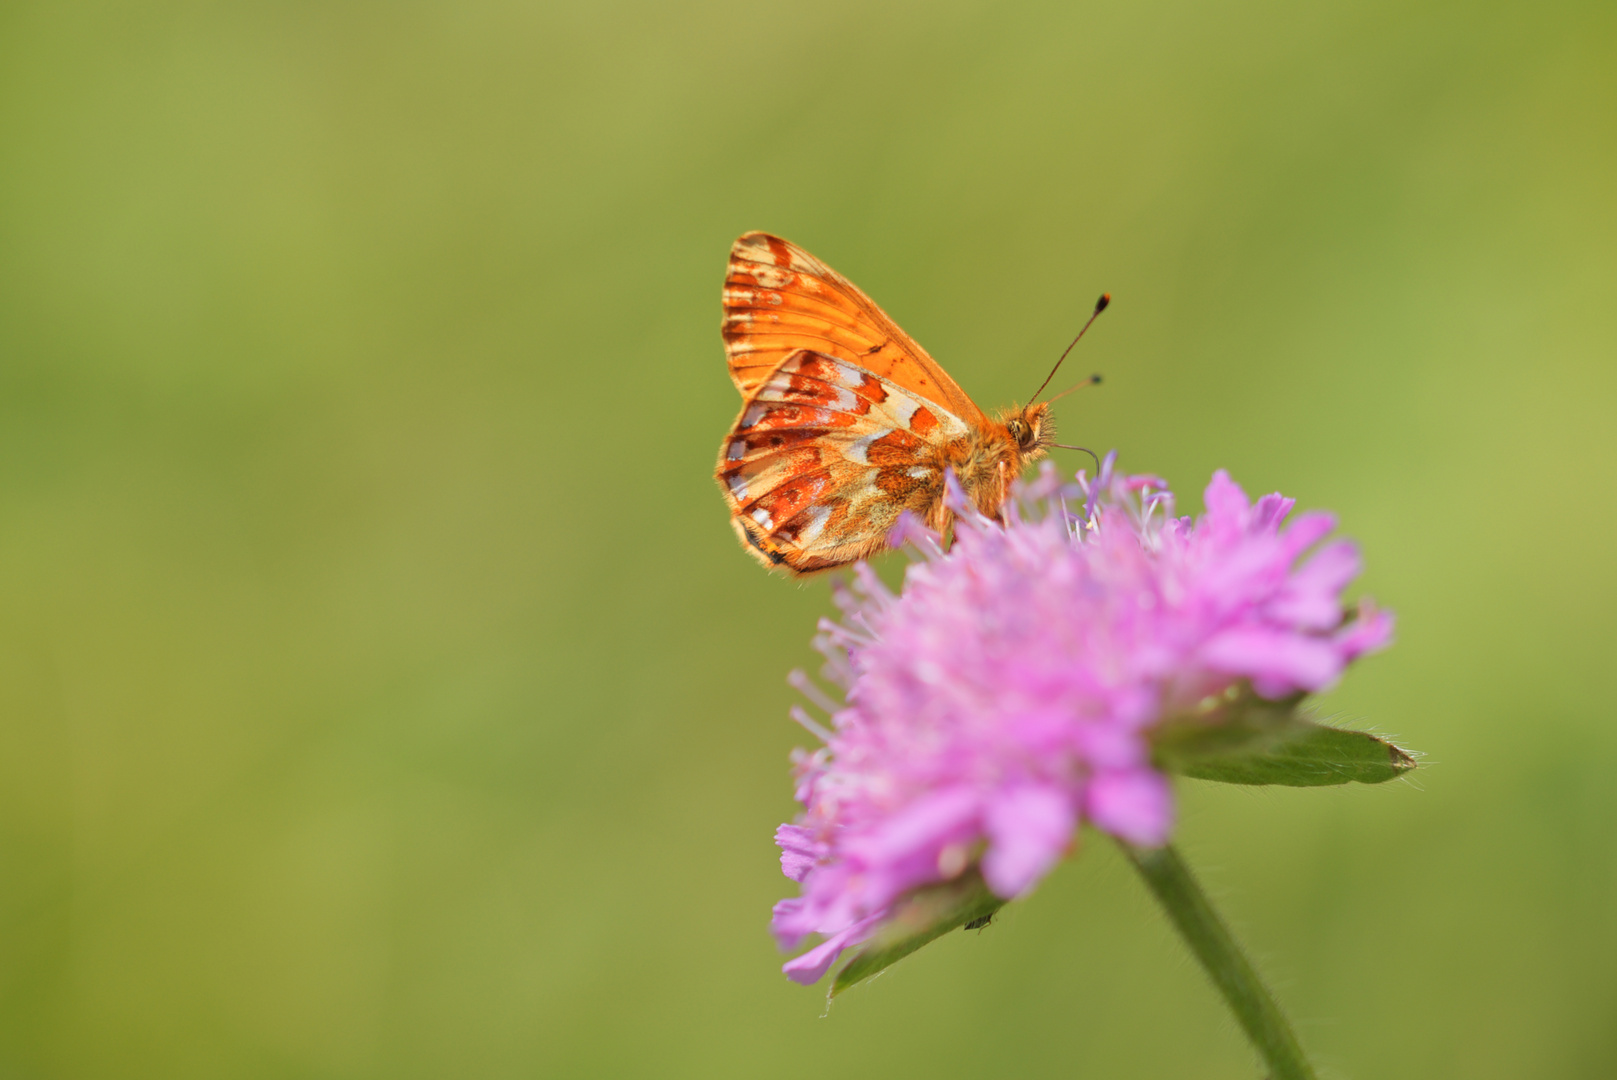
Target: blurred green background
{"type": "Point", "coordinates": [383, 694]}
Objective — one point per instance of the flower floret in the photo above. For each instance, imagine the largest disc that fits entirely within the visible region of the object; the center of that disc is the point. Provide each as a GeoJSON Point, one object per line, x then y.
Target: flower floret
{"type": "Point", "coordinates": [1008, 693]}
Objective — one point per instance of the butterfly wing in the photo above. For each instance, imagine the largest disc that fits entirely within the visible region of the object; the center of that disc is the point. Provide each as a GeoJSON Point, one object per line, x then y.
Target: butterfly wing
{"type": "Point", "coordinates": [826, 455]}
{"type": "Point", "coordinates": [778, 298]}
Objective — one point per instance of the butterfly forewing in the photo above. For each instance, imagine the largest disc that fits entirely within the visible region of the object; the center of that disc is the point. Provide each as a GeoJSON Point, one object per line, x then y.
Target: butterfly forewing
{"type": "Point", "coordinates": [778, 299]}
{"type": "Point", "coordinates": [824, 458]}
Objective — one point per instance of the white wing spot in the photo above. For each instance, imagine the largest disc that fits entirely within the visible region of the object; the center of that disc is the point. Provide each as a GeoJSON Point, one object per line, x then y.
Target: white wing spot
{"type": "Point", "coordinates": [753, 414]}
{"type": "Point", "coordinates": [902, 407]}
{"type": "Point", "coordinates": [920, 472]}
{"type": "Point", "coordinates": [772, 277]}
{"type": "Point", "coordinates": [738, 486]}
{"type": "Point", "coordinates": [847, 376]}
{"type": "Point", "coordinates": [761, 516]}
{"type": "Point", "coordinates": [815, 525]}
{"type": "Point", "coordinates": [737, 450]}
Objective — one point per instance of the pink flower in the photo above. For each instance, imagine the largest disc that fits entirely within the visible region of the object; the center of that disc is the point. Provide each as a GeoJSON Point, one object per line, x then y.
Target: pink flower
{"type": "Point", "coordinates": [1008, 693]}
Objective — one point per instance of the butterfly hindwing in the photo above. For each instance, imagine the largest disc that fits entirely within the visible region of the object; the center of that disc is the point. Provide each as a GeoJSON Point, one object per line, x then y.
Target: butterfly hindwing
{"type": "Point", "coordinates": [824, 458]}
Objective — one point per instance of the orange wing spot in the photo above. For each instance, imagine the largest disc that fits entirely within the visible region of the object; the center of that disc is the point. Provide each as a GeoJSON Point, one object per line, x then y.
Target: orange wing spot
{"type": "Point", "coordinates": [816, 366]}
{"type": "Point", "coordinates": [776, 440]}
{"type": "Point", "coordinates": [896, 448]}
{"type": "Point", "coordinates": [805, 526]}
{"type": "Point", "coordinates": [899, 483]}
{"type": "Point", "coordinates": [871, 388]}
{"type": "Point", "coordinates": [786, 501]}
{"type": "Point", "coordinates": [838, 373]}
{"type": "Point", "coordinates": [825, 395]}
{"type": "Point", "coordinates": [771, 417]}
{"type": "Point", "coordinates": [924, 422]}
{"type": "Point", "coordinates": [755, 487]}
{"type": "Point", "coordinates": [804, 459]}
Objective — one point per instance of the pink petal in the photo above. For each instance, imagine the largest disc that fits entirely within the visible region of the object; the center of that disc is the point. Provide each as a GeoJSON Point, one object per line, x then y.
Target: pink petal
{"type": "Point", "coordinates": [812, 965]}
{"type": "Point", "coordinates": [1312, 599]}
{"type": "Point", "coordinates": [1277, 662]}
{"type": "Point", "coordinates": [927, 823]}
{"type": "Point", "coordinates": [1308, 530]}
{"type": "Point", "coordinates": [797, 856]}
{"type": "Point", "coordinates": [1136, 805]}
{"type": "Point", "coordinates": [1225, 501]}
{"type": "Point", "coordinates": [1372, 630]}
{"type": "Point", "coordinates": [787, 923]}
{"type": "Point", "coordinates": [1271, 511]}
{"type": "Point", "coordinates": [1028, 827]}
{"type": "Point", "coordinates": [1107, 746]}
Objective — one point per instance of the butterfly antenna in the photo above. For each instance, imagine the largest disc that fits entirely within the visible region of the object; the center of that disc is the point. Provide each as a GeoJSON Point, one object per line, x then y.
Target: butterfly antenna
{"type": "Point", "coordinates": [1091, 381]}
{"type": "Point", "coordinates": [1100, 306]}
{"type": "Point", "coordinates": [1085, 449]}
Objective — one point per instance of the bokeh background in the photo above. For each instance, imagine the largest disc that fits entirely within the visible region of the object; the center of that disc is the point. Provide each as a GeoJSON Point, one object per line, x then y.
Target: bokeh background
{"type": "Point", "coordinates": [382, 692]}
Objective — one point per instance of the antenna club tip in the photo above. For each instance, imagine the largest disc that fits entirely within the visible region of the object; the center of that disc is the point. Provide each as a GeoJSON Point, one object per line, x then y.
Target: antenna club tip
{"type": "Point", "coordinates": [1100, 305]}
{"type": "Point", "coordinates": [1095, 378]}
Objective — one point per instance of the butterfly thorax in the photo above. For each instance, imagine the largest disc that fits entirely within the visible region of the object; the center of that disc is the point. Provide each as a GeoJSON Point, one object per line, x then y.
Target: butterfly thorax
{"type": "Point", "coordinates": [992, 457]}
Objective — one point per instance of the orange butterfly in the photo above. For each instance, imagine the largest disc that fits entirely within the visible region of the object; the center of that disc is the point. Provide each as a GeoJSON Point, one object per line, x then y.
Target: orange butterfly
{"type": "Point", "coordinates": [847, 422]}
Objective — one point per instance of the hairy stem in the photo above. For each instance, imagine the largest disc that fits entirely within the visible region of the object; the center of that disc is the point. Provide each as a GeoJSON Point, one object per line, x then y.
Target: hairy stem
{"type": "Point", "coordinates": [1193, 916]}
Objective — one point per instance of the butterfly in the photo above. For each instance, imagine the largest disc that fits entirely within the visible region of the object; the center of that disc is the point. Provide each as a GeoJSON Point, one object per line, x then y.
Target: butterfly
{"type": "Point", "coordinates": [846, 422]}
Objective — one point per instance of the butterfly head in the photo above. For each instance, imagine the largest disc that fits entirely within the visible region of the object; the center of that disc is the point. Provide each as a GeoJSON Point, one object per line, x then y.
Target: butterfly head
{"type": "Point", "coordinates": [1031, 427]}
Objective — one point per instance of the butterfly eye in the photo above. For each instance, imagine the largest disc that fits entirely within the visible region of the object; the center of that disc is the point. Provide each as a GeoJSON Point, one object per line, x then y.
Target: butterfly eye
{"type": "Point", "coordinates": [1022, 432]}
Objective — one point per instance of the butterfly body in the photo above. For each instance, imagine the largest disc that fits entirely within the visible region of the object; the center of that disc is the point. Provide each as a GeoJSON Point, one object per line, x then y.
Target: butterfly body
{"type": "Point", "coordinates": [846, 423]}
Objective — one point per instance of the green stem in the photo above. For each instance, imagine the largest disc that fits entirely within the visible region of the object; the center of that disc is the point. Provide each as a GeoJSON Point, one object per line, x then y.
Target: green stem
{"type": "Point", "coordinates": [1254, 1007]}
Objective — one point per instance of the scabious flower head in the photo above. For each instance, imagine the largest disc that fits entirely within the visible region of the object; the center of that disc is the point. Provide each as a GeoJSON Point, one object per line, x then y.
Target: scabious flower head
{"type": "Point", "coordinates": [1009, 691]}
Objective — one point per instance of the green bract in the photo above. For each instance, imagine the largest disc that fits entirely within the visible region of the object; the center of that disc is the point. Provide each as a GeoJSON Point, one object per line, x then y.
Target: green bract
{"type": "Point", "coordinates": [917, 919]}
{"type": "Point", "coordinates": [1239, 738]}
